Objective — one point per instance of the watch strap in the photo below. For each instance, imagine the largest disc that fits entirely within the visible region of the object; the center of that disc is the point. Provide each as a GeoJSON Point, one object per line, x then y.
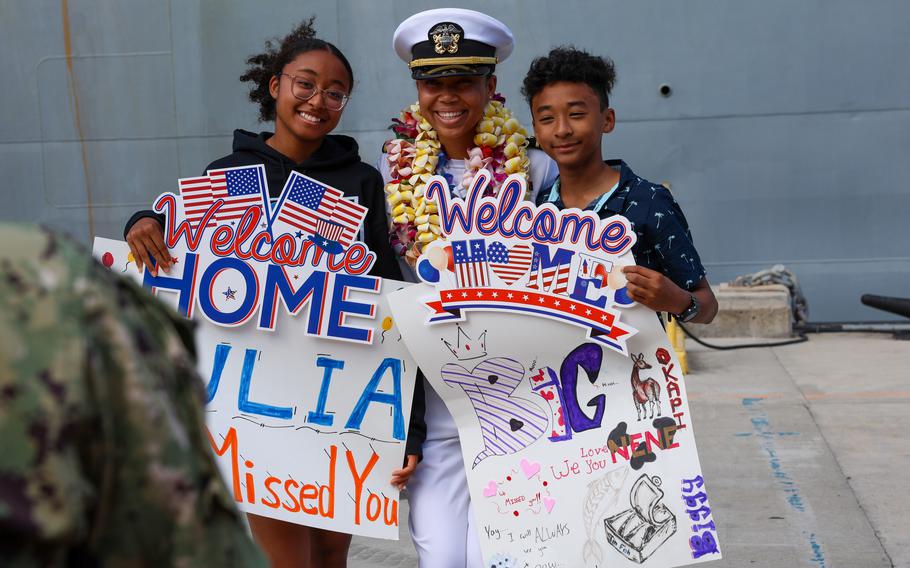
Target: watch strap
{"type": "Point", "coordinates": [689, 313]}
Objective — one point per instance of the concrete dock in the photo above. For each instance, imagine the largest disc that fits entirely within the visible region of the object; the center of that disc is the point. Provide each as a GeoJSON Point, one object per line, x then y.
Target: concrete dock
{"type": "Point", "coordinates": [802, 450]}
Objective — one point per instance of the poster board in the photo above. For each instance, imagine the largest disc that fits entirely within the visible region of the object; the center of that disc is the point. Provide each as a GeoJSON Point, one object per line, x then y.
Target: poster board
{"type": "Point", "coordinates": [570, 404]}
{"type": "Point", "coordinates": [308, 385]}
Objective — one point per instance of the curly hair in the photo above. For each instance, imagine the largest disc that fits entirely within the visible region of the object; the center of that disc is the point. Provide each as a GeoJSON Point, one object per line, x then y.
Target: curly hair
{"type": "Point", "coordinates": [566, 63]}
{"type": "Point", "coordinates": [278, 53]}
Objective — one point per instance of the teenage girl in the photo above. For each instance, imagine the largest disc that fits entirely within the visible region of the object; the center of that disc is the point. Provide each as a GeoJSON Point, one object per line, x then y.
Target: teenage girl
{"type": "Point", "coordinates": [302, 84]}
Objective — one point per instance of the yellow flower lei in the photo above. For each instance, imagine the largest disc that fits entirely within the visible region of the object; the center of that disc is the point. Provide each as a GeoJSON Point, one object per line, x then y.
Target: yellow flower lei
{"type": "Point", "coordinates": [501, 146]}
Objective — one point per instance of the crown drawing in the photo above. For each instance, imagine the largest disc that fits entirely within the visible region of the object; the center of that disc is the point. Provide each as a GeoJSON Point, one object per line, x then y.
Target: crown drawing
{"type": "Point", "coordinates": [466, 348]}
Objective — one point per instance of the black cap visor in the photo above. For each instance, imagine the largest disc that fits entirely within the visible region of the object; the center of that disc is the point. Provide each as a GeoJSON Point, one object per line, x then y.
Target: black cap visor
{"type": "Point", "coordinates": [440, 71]}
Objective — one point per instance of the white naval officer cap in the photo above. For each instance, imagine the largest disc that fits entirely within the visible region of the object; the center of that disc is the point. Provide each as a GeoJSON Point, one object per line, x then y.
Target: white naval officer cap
{"type": "Point", "coordinates": [452, 42]}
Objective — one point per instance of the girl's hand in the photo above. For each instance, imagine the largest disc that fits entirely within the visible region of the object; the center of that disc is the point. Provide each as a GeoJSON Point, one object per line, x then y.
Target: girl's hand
{"type": "Point", "coordinates": [400, 476]}
{"type": "Point", "coordinates": [654, 290]}
{"type": "Point", "coordinates": [146, 239]}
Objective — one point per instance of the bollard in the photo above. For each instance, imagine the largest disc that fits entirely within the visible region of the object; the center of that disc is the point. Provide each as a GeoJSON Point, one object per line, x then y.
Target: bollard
{"type": "Point", "coordinates": [678, 341]}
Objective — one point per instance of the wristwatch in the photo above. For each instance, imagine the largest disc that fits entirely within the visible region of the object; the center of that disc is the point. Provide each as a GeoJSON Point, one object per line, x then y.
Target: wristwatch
{"type": "Point", "coordinates": [689, 313]}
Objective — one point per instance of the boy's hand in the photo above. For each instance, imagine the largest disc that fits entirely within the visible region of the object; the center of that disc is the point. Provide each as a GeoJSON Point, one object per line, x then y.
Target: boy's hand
{"type": "Point", "coordinates": [146, 239]}
{"type": "Point", "coordinates": [654, 290]}
{"type": "Point", "coordinates": [400, 476]}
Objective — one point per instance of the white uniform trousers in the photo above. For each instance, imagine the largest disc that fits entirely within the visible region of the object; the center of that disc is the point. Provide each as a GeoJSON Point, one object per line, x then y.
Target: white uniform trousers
{"type": "Point", "coordinates": [441, 517]}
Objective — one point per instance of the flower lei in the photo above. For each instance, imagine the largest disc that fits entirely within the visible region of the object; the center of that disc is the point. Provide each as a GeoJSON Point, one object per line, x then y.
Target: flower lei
{"type": "Point", "coordinates": [415, 154]}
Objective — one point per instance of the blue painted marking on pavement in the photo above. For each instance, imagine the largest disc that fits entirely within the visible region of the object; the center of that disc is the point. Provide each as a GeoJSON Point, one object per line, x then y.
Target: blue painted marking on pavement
{"type": "Point", "coordinates": [779, 434]}
{"type": "Point", "coordinates": [762, 430]}
{"type": "Point", "coordinates": [817, 555]}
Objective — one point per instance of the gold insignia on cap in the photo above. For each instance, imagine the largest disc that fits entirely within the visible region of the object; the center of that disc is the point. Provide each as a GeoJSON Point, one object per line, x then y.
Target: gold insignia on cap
{"type": "Point", "coordinates": [445, 38]}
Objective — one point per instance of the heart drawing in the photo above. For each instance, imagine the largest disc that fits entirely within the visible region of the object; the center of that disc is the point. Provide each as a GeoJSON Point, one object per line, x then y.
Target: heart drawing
{"type": "Point", "coordinates": [509, 264]}
{"type": "Point", "coordinates": [530, 469]}
{"type": "Point", "coordinates": [548, 504]}
{"type": "Point", "coordinates": [521, 491]}
{"type": "Point", "coordinates": [508, 423]}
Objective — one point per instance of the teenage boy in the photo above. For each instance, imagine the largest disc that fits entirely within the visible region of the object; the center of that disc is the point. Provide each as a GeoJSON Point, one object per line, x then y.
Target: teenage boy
{"type": "Point", "coordinates": [569, 94]}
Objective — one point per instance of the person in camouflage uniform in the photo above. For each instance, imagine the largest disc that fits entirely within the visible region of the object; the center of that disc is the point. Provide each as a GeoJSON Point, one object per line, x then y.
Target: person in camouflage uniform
{"type": "Point", "coordinates": [104, 457]}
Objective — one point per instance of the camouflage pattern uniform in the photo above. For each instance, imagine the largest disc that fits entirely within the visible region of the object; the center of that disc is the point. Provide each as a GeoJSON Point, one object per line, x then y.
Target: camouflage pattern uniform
{"type": "Point", "coordinates": [104, 459]}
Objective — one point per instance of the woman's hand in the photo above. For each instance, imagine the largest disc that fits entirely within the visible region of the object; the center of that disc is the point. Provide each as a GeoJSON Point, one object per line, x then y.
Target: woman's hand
{"type": "Point", "coordinates": [411, 256]}
{"type": "Point", "coordinates": [146, 239]}
{"type": "Point", "coordinates": [400, 476]}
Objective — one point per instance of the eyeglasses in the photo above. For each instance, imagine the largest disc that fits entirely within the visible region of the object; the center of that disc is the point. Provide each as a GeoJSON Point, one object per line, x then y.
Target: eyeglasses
{"type": "Point", "coordinates": [305, 90]}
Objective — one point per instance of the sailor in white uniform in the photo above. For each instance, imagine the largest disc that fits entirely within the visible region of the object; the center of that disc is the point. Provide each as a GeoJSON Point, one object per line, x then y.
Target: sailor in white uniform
{"type": "Point", "coordinates": [452, 54]}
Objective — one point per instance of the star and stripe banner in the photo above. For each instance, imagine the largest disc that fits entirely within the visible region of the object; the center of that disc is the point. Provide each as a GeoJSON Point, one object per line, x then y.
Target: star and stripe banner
{"type": "Point", "coordinates": [603, 323]}
{"type": "Point", "coordinates": [329, 229]}
{"type": "Point", "coordinates": [196, 193]}
{"type": "Point", "coordinates": [470, 259]}
{"type": "Point", "coordinates": [306, 205]}
{"type": "Point", "coordinates": [559, 273]}
{"type": "Point", "coordinates": [240, 188]}
{"type": "Point", "coordinates": [350, 216]}
{"type": "Point", "coordinates": [304, 201]}
{"type": "Point", "coordinates": [509, 265]}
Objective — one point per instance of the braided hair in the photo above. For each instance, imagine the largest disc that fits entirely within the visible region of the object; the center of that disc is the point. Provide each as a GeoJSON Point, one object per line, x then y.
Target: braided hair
{"type": "Point", "coordinates": [278, 53]}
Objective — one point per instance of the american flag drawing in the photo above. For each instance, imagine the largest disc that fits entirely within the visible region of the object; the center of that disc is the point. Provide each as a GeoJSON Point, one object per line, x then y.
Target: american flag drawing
{"type": "Point", "coordinates": [196, 194]}
{"type": "Point", "coordinates": [509, 265]}
{"type": "Point", "coordinates": [470, 258]}
{"type": "Point", "coordinates": [240, 188]}
{"type": "Point", "coordinates": [329, 230]}
{"type": "Point", "coordinates": [304, 202]}
{"type": "Point", "coordinates": [559, 273]}
{"type": "Point", "coordinates": [351, 216]}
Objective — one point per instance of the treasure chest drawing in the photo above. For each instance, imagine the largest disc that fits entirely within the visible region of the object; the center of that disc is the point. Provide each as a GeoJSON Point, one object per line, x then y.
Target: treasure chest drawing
{"type": "Point", "coordinates": [640, 530]}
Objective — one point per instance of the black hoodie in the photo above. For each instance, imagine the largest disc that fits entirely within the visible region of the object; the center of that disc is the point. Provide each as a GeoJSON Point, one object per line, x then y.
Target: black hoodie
{"type": "Point", "coordinates": [336, 163]}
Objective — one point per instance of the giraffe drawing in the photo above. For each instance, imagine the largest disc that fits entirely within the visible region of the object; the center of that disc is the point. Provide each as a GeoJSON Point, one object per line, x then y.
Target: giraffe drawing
{"type": "Point", "coordinates": [644, 392]}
